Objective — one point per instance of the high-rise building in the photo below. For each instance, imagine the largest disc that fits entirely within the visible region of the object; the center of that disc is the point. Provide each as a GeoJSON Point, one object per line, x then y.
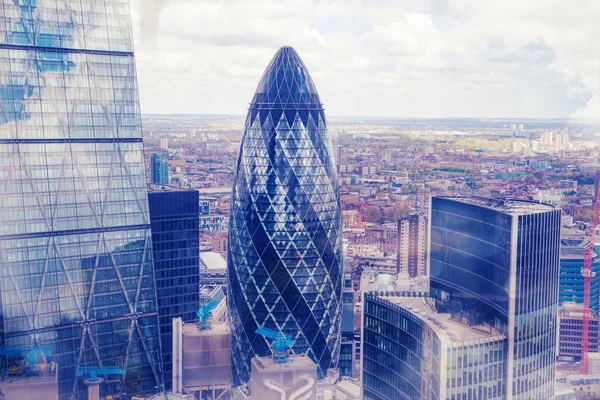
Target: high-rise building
{"type": "Point", "coordinates": [176, 249]}
{"type": "Point", "coordinates": [572, 282]}
{"type": "Point", "coordinates": [164, 144]}
{"type": "Point", "coordinates": [285, 241]}
{"type": "Point", "coordinates": [496, 262]}
{"type": "Point", "coordinates": [412, 351]}
{"type": "Point", "coordinates": [348, 346]}
{"type": "Point", "coordinates": [488, 327]}
{"type": "Point", "coordinates": [160, 170]}
{"type": "Point", "coordinates": [339, 157]}
{"type": "Point", "coordinates": [76, 268]}
{"type": "Point", "coordinates": [411, 251]}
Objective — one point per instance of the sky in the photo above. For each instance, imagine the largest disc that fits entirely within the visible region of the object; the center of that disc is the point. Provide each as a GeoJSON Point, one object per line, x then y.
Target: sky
{"type": "Point", "coordinates": [380, 58]}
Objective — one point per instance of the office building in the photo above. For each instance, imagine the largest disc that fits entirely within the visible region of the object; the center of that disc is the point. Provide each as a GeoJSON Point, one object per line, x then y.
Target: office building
{"type": "Point", "coordinates": [160, 170]}
{"type": "Point", "coordinates": [164, 144]}
{"type": "Point", "coordinates": [412, 351]}
{"type": "Point", "coordinates": [76, 268]}
{"type": "Point", "coordinates": [411, 252]}
{"type": "Point", "coordinates": [572, 251]}
{"type": "Point", "coordinates": [488, 326]}
{"type": "Point", "coordinates": [570, 317]}
{"type": "Point", "coordinates": [348, 347]}
{"type": "Point", "coordinates": [205, 204]}
{"type": "Point", "coordinates": [175, 246]}
{"type": "Point", "coordinates": [496, 262]}
{"type": "Point", "coordinates": [212, 223]}
{"type": "Point", "coordinates": [285, 240]}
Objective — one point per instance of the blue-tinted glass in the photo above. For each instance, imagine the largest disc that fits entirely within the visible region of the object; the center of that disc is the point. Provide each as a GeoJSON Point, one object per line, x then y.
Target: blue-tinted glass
{"type": "Point", "coordinates": [175, 242]}
{"type": "Point", "coordinates": [75, 247]}
{"type": "Point", "coordinates": [285, 217]}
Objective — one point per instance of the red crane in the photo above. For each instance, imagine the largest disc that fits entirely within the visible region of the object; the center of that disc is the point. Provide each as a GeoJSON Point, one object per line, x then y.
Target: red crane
{"type": "Point", "coordinates": [587, 276]}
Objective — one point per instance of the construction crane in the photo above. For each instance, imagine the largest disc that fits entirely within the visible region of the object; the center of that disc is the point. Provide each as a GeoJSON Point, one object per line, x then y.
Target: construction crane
{"type": "Point", "coordinates": [31, 356]}
{"type": "Point", "coordinates": [93, 381]}
{"type": "Point", "coordinates": [204, 314]}
{"type": "Point", "coordinates": [280, 345]}
{"type": "Point", "coordinates": [587, 279]}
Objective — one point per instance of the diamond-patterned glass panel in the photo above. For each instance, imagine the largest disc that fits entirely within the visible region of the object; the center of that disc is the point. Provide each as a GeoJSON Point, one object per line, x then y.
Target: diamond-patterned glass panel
{"type": "Point", "coordinates": [284, 257]}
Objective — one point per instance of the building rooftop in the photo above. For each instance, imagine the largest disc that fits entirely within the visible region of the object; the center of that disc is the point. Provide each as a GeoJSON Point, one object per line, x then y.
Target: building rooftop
{"type": "Point", "coordinates": [571, 309]}
{"type": "Point", "coordinates": [452, 333]}
{"type": "Point", "coordinates": [507, 206]}
{"type": "Point", "coordinates": [298, 361]}
{"type": "Point", "coordinates": [192, 330]}
{"type": "Point", "coordinates": [153, 188]}
{"type": "Point", "coordinates": [213, 261]}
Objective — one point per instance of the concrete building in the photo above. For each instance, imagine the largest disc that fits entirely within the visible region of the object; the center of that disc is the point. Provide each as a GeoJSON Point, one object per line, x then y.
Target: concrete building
{"type": "Point", "coordinates": [411, 246]}
{"type": "Point", "coordinates": [33, 387]}
{"type": "Point", "coordinates": [164, 144]}
{"type": "Point", "coordinates": [213, 268]}
{"type": "Point", "coordinates": [570, 318]}
{"type": "Point", "coordinates": [201, 359]}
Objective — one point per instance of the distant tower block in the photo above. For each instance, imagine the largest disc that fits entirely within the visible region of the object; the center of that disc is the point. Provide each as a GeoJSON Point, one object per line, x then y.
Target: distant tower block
{"type": "Point", "coordinates": [271, 380]}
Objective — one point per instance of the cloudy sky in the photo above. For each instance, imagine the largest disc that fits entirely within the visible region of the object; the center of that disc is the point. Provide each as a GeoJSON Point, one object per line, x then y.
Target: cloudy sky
{"type": "Point", "coordinates": [392, 58]}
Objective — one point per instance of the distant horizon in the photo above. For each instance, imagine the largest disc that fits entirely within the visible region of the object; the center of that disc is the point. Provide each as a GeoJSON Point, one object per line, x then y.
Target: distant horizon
{"type": "Point", "coordinates": [589, 121]}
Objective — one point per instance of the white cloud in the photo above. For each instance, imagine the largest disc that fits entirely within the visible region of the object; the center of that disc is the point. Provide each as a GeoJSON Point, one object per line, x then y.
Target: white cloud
{"type": "Point", "coordinates": [431, 58]}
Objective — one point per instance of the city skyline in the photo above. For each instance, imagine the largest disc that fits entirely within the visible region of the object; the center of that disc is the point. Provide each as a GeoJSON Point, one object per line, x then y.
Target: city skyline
{"type": "Point", "coordinates": [429, 59]}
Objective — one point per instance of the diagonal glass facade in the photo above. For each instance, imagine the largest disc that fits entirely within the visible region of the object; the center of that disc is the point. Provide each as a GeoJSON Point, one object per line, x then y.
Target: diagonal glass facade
{"type": "Point", "coordinates": [75, 247]}
{"type": "Point", "coordinates": [285, 250]}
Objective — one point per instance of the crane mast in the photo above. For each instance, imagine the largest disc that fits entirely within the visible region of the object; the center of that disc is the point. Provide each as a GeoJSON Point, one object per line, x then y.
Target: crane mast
{"type": "Point", "coordinates": [588, 274]}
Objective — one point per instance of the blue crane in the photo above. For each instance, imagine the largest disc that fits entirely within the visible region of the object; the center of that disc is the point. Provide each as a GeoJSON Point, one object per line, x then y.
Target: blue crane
{"type": "Point", "coordinates": [280, 345]}
{"type": "Point", "coordinates": [30, 354]}
{"type": "Point", "coordinates": [93, 372]}
{"type": "Point", "coordinates": [204, 314]}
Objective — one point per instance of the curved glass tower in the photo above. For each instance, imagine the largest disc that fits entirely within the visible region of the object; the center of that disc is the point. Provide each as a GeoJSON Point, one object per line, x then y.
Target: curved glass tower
{"type": "Point", "coordinates": [284, 256]}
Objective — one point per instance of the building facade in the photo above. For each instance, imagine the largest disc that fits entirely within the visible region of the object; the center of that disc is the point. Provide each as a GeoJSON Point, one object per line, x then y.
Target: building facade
{"type": "Point", "coordinates": [76, 268]}
{"type": "Point", "coordinates": [285, 239]}
{"type": "Point", "coordinates": [411, 242]}
{"type": "Point", "coordinates": [496, 262]}
{"type": "Point", "coordinates": [572, 252]}
{"type": "Point", "coordinates": [412, 351]}
{"type": "Point", "coordinates": [176, 250]}
{"type": "Point", "coordinates": [348, 346]}
{"type": "Point", "coordinates": [570, 317]}
{"type": "Point", "coordinates": [160, 170]}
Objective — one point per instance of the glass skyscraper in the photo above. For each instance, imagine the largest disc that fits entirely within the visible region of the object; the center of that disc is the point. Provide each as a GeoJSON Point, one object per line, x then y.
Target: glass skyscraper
{"type": "Point", "coordinates": [75, 247]}
{"type": "Point", "coordinates": [176, 248]}
{"type": "Point", "coordinates": [496, 262]}
{"type": "Point", "coordinates": [488, 328]}
{"type": "Point", "coordinates": [285, 241]}
{"type": "Point", "coordinates": [160, 170]}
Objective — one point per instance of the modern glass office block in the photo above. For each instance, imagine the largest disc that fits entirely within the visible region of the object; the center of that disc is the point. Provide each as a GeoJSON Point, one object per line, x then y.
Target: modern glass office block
{"type": "Point", "coordinates": [76, 267]}
{"type": "Point", "coordinates": [285, 241]}
{"type": "Point", "coordinates": [496, 262]}
{"type": "Point", "coordinates": [176, 249]}
{"type": "Point", "coordinates": [412, 352]}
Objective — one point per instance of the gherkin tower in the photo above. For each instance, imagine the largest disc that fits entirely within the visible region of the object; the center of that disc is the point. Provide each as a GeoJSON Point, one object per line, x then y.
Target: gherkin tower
{"type": "Point", "coordinates": [285, 238]}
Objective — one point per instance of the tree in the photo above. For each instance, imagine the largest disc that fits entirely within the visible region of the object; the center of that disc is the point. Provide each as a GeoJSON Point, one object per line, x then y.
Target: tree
{"type": "Point", "coordinates": [396, 211]}
{"type": "Point", "coordinates": [373, 214]}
